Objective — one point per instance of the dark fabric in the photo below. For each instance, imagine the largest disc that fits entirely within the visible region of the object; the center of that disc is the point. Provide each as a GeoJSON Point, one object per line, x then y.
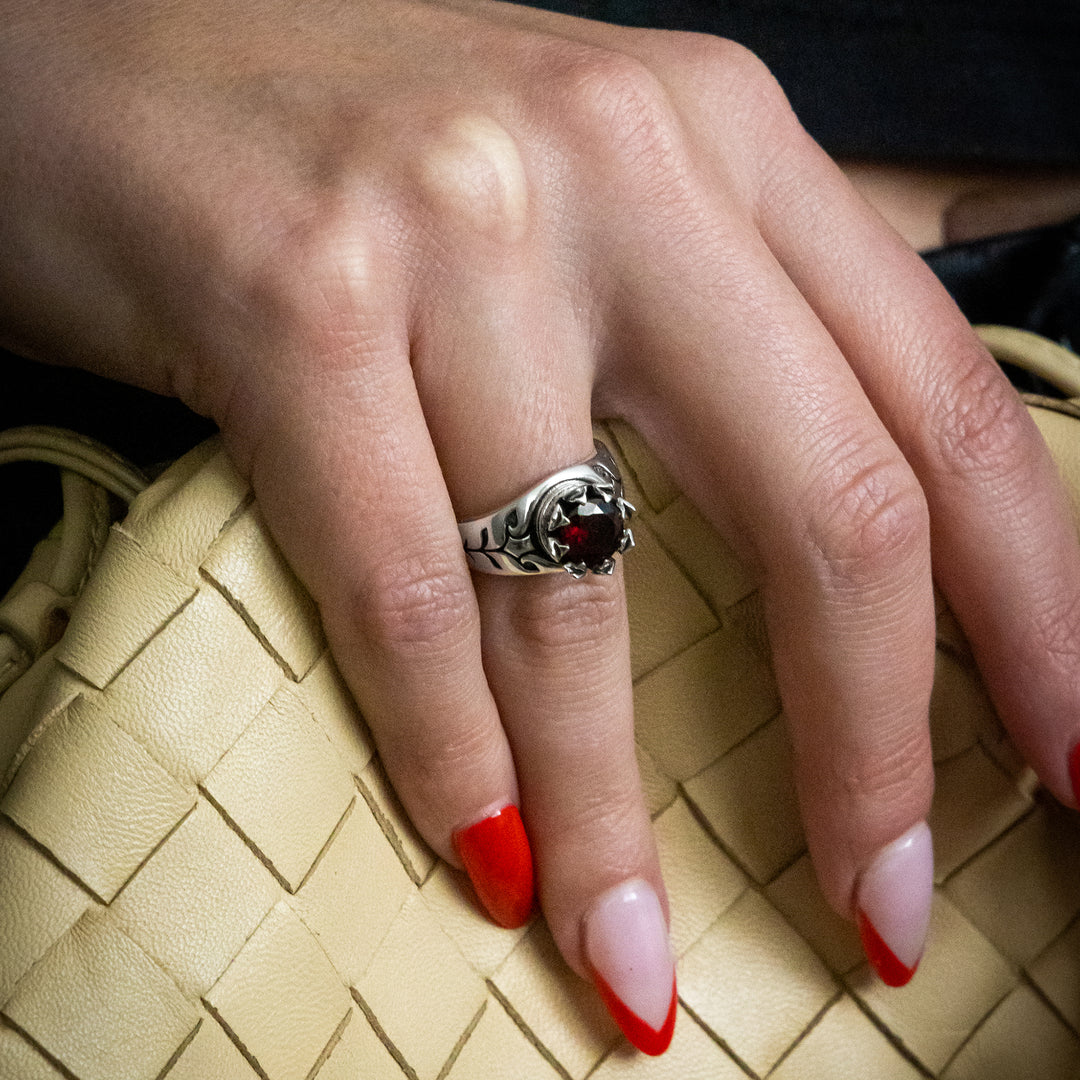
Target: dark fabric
{"type": "Point", "coordinates": [1028, 279]}
{"type": "Point", "coordinates": [147, 429]}
{"type": "Point", "coordinates": [987, 81]}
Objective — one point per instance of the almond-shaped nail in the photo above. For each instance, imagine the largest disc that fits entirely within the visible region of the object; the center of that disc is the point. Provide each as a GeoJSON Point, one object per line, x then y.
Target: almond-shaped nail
{"type": "Point", "coordinates": [893, 905]}
{"type": "Point", "coordinates": [496, 855]}
{"type": "Point", "coordinates": [625, 938]}
{"type": "Point", "coordinates": [1074, 771]}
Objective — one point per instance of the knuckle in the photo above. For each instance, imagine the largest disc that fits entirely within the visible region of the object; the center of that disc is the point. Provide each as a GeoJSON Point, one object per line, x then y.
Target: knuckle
{"type": "Point", "coordinates": [568, 620]}
{"type": "Point", "coordinates": [738, 81]}
{"type": "Point", "coordinates": [410, 610]}
{"type": "Point", "coordinates": [713, 62]}
{"type": "Point", "coordinates": [470, 174]}
{"type": "Point", "coordinates": [320, 296]}
{"type": "Point", "coordinates": [611, 95]}
{"type": "Point", "coordinates": [981, 425]}
{"type": "Point", "coordinates": [705, 53]}
{"type": "Point", "coordinates": [1057, 631]}
{"type": "Point", "coordinates": [868, 522]}
{"type": "Point", "coordinates": [738, 68]}
{"type": "Point", "coordinates": [318, 290]}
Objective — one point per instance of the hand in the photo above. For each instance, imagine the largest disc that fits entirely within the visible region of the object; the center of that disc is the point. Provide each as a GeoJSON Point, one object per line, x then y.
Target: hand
{"type": "Point", "coordinates": [403, 252]}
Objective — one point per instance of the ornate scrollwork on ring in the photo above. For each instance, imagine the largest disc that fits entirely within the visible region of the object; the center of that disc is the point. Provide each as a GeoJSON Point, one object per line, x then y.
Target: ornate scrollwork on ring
{"type": "Point", "coordinates": [574, 521]}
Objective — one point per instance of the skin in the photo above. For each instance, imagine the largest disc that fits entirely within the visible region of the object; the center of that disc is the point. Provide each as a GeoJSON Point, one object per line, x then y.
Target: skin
{"type": "Point", "coordinates": [932, 206]}
{"type": "Point", "coordinates": [403, 252]}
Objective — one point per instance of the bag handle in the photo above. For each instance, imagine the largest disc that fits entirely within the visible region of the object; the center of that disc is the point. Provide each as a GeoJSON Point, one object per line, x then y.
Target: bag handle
{"type": "Point", "coordinates": [1035, 354]}
{"type": "Point", "coordinates": [34, 612]}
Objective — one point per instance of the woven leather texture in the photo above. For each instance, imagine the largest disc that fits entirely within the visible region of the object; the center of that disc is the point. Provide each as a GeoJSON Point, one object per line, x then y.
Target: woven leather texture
{"type": "Point", "coordinates": [204, 874]}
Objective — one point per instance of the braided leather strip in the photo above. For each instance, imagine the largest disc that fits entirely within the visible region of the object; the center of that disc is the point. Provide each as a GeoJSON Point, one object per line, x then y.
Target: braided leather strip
{"type": "Point", "coordinates": [204, 874]}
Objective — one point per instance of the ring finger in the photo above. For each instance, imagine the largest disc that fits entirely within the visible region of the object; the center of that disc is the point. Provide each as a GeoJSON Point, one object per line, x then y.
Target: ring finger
{"type": "Point", "coordinates": [555, 649]}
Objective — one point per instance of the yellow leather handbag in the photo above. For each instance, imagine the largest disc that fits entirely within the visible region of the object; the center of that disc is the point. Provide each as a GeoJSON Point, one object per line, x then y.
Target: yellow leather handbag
{"type": "Point", "coordinates": [204, 874]}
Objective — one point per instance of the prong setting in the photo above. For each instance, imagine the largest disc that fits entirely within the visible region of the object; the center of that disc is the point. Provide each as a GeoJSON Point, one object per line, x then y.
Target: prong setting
{"type": "Point", "coordinates": [577, 521]}
{"type": "Point", "coordinates": [584, 524]}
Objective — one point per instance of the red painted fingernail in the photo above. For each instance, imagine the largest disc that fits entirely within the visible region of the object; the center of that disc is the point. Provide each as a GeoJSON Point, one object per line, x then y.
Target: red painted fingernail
{"type": "Point", "coordinates": [1074, 771]}
{"type": "Point", "coordinates": [496, 854]}
{"type": "Point", "coordinates": [629, 959]}
{"type": "Point", "coordinates": [893, 909]}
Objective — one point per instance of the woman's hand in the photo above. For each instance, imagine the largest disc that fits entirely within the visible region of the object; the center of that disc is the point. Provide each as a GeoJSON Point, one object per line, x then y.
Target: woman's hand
{"type": "Point", "coordinates": [403, 252]}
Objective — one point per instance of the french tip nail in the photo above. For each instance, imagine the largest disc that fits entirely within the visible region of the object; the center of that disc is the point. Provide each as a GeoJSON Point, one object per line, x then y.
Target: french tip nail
{"type": "Point", "coordinates": [893, 905]}
{"type": "Point", "coordinates": [883, 960]}
{"type": "Point", "coordinates": [649, 1040]}
{"type": "Point", "coordinates": [497, 857]}
{"type": "Point", "coordinates": [629, 958]}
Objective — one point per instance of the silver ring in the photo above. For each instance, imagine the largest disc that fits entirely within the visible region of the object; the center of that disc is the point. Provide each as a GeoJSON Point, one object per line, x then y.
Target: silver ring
{"type": "Point", "coordinates": [575, 520]}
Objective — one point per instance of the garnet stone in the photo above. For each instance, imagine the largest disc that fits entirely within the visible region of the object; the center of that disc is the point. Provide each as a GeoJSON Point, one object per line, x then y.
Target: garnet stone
{"type": "Point", "coordinates": [592, 534]}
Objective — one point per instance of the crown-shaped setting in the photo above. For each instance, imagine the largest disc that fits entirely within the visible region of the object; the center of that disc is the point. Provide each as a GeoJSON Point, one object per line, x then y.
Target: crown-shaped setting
{"type": "Point", "coordinates": [587, 525]}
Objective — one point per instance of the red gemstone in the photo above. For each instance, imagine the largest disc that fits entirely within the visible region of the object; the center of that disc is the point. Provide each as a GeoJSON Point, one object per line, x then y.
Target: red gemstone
{"type": "Point", "coordinates": [593, 533]}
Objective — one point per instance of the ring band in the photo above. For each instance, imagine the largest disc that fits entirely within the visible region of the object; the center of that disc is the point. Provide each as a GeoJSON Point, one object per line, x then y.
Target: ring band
{"type": "Point", "coordinates": [576, 520]}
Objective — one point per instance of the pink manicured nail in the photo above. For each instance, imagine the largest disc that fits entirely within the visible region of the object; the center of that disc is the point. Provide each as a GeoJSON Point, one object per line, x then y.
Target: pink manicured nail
{"type": "Point", "coordinates": [893, 905]}
{"type": "Point", "coordinates": [629, 958]}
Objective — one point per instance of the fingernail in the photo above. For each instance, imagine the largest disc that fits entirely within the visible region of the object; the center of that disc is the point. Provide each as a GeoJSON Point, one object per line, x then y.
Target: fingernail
{"type": "Point", "coordinates": [496, 854]}
{"type": "Point", "coordinates": [893, 907]}
{"type": "Point", "coordinates": [1074, 771]}
{"type": "Point", "coordinates": [629, 957]}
